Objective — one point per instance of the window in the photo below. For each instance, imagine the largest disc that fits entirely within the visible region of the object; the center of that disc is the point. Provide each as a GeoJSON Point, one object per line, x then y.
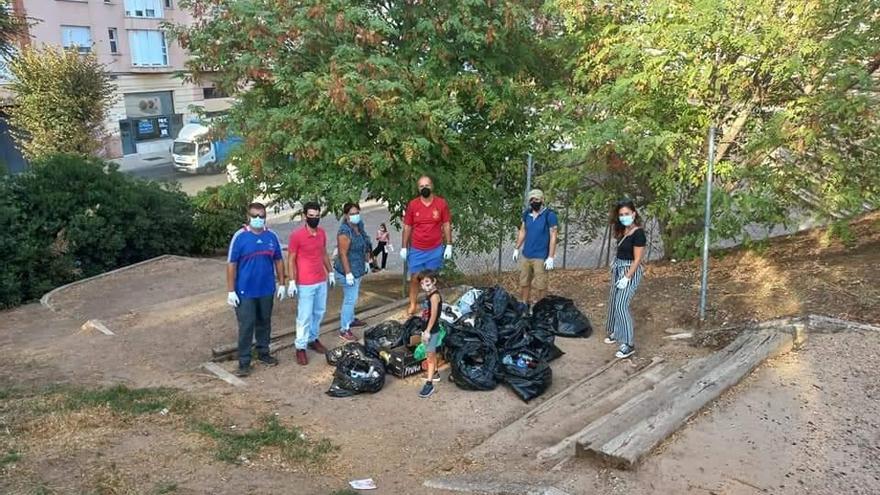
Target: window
{"type": "Point", "coordinates": [168, 4]}
{"type": "Point", "coordinates": [204, 149]}
{"type": "Point", "coordinates": [144, 8]}
{"type": "Point", "coordinates": [211, 93]}
{"type": "Point", "coordinates": [77, 37]}
{"type": "Point", "coordinates": [113, 37]}
{"type": "Point", "coordinates": [148, 48]}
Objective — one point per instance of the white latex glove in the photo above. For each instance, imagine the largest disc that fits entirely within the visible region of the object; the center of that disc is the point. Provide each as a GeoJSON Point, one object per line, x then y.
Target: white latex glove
{"type": "Point", "coordinates": [281, 293]}
{"type": "Point", "coordinates": [291, 289]}
{"type": "Point", "coordinates": [366, 267]}
{"type": "Point", "coordinates": [349, 279]}
{"type": "Point", "coordinates": [549, 264]}
{"type": "Point", "coordinates": [447, 253]}
{"type": "Point", "coordinates": [331, 279]}
{"type": "Point", "coordinates": [403, 252]}
{"type": "Point", "coordinates": [232, 299]}
{"type": "Point", "coordinates": [426, 336]}
{"type": "Point", "coordinates": [623, 282]}
{"type": "Point", "coordinates": [515, 255]}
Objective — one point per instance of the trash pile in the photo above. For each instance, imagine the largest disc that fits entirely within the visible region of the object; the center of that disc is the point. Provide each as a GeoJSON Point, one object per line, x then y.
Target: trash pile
{"type": "Point", "coordinates": [490, 338]}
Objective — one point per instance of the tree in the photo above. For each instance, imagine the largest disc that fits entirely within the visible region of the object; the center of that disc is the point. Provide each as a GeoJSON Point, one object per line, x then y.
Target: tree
{"type": "Point", "coordinates": [792, 85]}
{"type": "Point", "coordinates": [71, 217]}
{"type": "Point", "coordinates": [61, 99]}
{"type": "Point", "coordinates": [344, 96]}
{"type": "Point", "coordinates": [12, 27]}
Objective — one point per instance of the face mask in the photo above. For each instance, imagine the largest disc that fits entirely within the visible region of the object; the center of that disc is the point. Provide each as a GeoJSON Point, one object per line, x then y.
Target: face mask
{"type": "Point", "coordinates": [626, 220]}
{"type": "Point", "coordinates": [257, 222]}
{"type": "Point", "coordinates": [313, 222]}
{"type": "Point", "coordinates": [536, 206]}
{"type": "Point", "coordinates": [425, 192]}
{"type": "Point", "coordinates": [427, 286]}
{"type": "Point", "coordinates": [354, 219]}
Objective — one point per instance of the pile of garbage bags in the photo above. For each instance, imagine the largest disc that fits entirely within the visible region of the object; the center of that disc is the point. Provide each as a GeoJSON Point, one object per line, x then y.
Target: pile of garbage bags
{"type": "Point", "coordinates": [491, 338]}
{"type": "Point", "coordinates": [497, 341]}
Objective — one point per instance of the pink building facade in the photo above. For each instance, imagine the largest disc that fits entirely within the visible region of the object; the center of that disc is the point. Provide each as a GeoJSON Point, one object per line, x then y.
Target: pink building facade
{"type": "Point", "coordinates": [151, 104]}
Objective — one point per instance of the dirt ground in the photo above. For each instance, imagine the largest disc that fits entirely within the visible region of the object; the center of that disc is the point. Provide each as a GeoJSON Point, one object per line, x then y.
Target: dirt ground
{"type": "Point", "coordinates": [803, 423]}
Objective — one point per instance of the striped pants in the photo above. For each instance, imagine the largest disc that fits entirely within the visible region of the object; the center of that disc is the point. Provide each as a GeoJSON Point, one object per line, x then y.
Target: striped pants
{"type": "Point", "coordinates": [619, 324]}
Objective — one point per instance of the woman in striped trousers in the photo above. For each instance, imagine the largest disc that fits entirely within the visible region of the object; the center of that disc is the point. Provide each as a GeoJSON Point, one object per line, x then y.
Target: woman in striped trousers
{"type": "Point", "coordinates": [626, 274]}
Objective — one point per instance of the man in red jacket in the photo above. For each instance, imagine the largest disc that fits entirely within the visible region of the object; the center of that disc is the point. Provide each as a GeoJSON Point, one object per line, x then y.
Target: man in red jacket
{"type": "Point", "coordinates": [427, 223]}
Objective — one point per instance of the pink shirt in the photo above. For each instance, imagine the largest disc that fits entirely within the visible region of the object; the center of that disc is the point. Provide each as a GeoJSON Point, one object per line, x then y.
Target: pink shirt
{"type": "Point", "coordinates": [310, 250]}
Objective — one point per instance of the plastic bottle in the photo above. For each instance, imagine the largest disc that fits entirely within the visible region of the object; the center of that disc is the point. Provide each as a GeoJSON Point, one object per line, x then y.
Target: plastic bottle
{"type": "Point", "coordinates": [507, 360]}
{"type": "Point", "coordinates": [520, 362]}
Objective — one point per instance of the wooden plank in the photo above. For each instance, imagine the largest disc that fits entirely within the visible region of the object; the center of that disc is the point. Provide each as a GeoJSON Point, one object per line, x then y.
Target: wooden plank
{"type": "Point", "coordinates": [827, 324]}
{"type": "Point", "coordinates": [608, 401]}
{"type": "Point", "coordinates": [628, 447]}
{"type": "Point", "coordinates": [644, 404]}
{"type": "Point", "coordinates": [222, 374]}
{"type": "Point", "coordinates": [97, 325]}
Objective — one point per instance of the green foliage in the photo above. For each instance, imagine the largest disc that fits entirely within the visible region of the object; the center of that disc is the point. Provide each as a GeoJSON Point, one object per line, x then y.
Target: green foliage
{"type": "Point", "coordinates": [9, 457]}
{"type": "Point", "coordinates": [338, 97]}
{"type": "Point", "coordinates": [293, 444]}
{"type": "Point", "coordinates": [72, 217]}
{"type": "Point", "coordinates": [11, 28]}
{"type": "Point", "coordinates": [124, 400]}
{"type": "Point", "coordinates": [793, 86]}
{"type": "Point", "coordinates": [61, 100]}
{"type": "Point", "coordinates": [219, 211]}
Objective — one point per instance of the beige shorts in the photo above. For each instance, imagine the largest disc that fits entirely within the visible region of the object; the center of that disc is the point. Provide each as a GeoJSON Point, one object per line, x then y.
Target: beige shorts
{"type": "Point", "coordinates": [532, 273]}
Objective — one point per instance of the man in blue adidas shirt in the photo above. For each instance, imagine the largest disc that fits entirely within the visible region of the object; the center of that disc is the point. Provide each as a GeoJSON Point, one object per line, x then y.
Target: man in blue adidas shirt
{"type": "Point", "coordinates": [254, 266]}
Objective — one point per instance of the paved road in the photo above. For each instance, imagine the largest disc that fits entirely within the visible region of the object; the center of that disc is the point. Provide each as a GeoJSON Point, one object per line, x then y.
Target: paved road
{"type": "Point", "coordinates": [165, 172]}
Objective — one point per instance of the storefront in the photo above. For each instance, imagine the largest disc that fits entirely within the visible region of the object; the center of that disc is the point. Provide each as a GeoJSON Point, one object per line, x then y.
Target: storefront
{"type": "Point", "coordinates": [150, 124]}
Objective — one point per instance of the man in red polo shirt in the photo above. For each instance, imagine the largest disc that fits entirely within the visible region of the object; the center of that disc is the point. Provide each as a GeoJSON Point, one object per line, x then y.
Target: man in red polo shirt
{"type": "Point", "coordinates": [427, 222]}
{"type": "Point", "coordinates": [309, 268]}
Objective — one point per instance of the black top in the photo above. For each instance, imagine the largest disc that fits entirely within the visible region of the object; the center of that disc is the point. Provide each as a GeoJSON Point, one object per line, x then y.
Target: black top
{"type": "Point", "coordinates": [436, 327]}
{"type": "Point", "coordinates": [625, 246]}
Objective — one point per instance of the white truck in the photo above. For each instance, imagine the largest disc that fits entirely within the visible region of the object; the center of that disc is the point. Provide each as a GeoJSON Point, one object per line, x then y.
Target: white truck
{"type": "Point", "coordinates": [195, 152]}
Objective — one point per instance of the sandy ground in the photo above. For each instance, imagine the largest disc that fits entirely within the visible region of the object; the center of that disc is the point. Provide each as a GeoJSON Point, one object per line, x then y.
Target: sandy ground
{"type": "Point", "coordinates": [805, 423]}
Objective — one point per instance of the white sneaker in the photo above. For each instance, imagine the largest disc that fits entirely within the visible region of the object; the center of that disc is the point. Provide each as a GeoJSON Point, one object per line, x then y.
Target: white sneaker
{"type": "Point", "coordinates": [625, 351]}
{"type": "Point", "coordinates": [610, 340]}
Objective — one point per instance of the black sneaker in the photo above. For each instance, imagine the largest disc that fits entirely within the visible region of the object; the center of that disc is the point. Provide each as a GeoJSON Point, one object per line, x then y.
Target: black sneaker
{"type": "Point", "coordinates": [427, 390]}
{"type": "Point", "coordinates": [268, 360]}
{"type": "Point", "coordinates": [625, 351]}
{"type": "Point", "coordinates": [243, 370]}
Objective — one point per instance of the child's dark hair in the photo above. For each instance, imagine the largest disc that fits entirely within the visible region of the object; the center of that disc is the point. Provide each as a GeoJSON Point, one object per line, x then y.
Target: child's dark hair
{"type": "Point", "coordinates": [431, 274]}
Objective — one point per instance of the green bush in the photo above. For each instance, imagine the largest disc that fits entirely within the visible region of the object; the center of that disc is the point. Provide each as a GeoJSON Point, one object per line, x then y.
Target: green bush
{"type": "Point", "coordinates": [71, 217]}
{"type": "Point", "coordinates": [219, 212]}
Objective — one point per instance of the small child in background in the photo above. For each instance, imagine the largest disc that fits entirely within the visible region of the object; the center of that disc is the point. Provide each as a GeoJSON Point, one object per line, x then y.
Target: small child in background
{"type": "Point", "coordinates": [382, 246]}
{"type": "Point", "coordinates": [428, 280]}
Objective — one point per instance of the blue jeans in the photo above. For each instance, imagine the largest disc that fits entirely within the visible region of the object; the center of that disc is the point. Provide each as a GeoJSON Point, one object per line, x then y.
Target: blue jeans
{"type": "Point", "coordinates": [254, 317]}
{"type": "Point", "coordinates": [310, 308]}
{"type": "Point", "coordinates": [349, 300]}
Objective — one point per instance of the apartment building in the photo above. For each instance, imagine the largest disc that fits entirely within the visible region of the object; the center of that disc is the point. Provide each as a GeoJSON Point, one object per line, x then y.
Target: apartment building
{"type": "Point", "coordinates": [151, 104]}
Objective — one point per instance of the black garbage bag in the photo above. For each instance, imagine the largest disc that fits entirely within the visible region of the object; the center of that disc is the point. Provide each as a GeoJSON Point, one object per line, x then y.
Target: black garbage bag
{"type": "Point", "coordinates": [526, 373]}
{"type": "Point", "coordinates": [560, 316]}
{"type": "Point", "coordinates": [486, 329]}
{"type": "Point", "coordinates": [474, 366]}
{"type": "Point", "coordinates": [413, 326]}
{"type": "Point", "coordinates": [542, 344]}
{"type": "Point", "coordinates": [508, 331]}
{"type": "Point", "coordinates": [386, 335]}
{"type": "Point", "coordinates": [572, 323]}
{"type": "Point", "coordinates": [349, 349]}
{"type": "Point", "coordinates": [355, 375]}
{"type": "Point", "coordinates": [500, 300]}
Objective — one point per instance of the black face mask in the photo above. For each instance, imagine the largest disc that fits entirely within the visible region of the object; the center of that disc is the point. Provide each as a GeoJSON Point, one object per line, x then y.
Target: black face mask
{"type": "Point", "coordinates": [425, 192]}
{"type": "Point", "coordinates": [536, 206]}
{"type": "Point", "coordinates": [313, 222]}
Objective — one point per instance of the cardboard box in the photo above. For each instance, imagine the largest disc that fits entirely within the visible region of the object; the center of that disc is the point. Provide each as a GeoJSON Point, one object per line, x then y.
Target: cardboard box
{"type": "Point", "coordinates": [401, 362]}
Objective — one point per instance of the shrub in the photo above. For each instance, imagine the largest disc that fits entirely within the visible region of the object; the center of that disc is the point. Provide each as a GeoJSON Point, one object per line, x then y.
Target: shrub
{"type": "Point", "coordinates": [72, 217]}
{"type": "Point", "coordinates": [219, 211]}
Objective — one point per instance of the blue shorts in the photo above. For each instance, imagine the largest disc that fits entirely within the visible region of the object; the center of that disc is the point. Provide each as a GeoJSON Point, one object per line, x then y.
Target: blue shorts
{"type": "Point", "coordinates": [430, 259]}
